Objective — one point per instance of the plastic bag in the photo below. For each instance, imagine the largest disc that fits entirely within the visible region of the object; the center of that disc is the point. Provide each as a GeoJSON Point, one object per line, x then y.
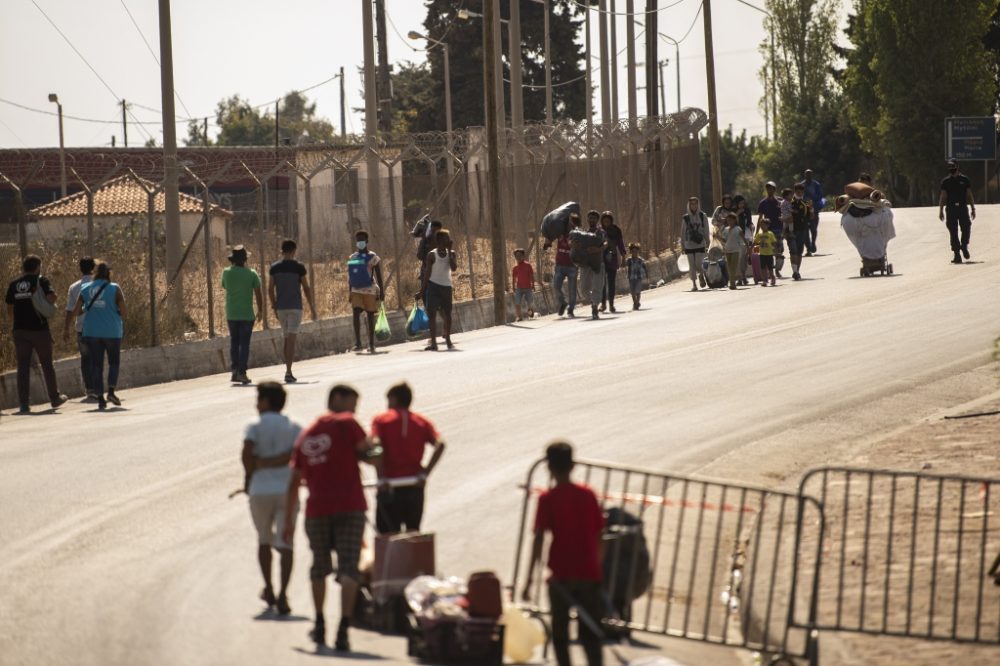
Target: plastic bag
{"type": "Point", "coordinates": [382, 330]}
{"type": "Point", "coordinates": [556, 222]}
{"type": "Point", "coordinates": [417, 322]}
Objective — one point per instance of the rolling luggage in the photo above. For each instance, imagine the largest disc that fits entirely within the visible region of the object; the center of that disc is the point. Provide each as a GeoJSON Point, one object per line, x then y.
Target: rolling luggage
{"type": "Point", "coordinates": [758, 275]}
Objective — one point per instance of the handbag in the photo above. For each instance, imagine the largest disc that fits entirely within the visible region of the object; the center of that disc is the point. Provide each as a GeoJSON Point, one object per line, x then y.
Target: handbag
{"type": "Point", "coordinates": [43, 308]}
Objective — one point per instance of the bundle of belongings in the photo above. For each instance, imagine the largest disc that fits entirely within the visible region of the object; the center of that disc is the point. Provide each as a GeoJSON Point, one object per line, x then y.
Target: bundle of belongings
{"type": "Point", "coordinates": [580, 241]}
{"type": "Point", "coordinates": [556, 222]}
{"type": "Point", "coordinates": [866, 217]}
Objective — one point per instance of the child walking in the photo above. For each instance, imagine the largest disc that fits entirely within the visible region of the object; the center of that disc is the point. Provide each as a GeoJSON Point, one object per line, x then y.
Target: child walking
{"type": "Point", "coordinates": [764, 242]}
{"type": "Point", "coordinates": [734, 244]}
{"type": "Point", "coordinates": [636, 269]}
{"type": "Point", "coordinates": [523, 281]}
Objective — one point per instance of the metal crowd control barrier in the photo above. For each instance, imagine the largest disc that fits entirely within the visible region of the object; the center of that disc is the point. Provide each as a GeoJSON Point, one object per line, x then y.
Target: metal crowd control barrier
{"type": "Point", "coordinates": [692, 558]}
{"type": "Point", "coordinates": [904, 554]}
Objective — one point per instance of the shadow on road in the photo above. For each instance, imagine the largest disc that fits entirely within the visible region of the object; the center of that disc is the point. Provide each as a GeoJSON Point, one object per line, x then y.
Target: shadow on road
{"type": "Point", "coordinates": [326, 651]}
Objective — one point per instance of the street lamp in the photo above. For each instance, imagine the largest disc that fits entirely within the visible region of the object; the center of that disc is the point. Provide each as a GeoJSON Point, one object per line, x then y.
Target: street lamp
{"type": "Point", "coordinates": [54, 98]}
{"type": "Point", "coordinates": [677, 62]}
{"type": "Point", "coordinates": [413, 34]}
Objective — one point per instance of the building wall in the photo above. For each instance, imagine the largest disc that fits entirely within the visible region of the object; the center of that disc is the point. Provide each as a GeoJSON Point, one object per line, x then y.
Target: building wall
{"type": "Point", "coordinates": [66, 228]}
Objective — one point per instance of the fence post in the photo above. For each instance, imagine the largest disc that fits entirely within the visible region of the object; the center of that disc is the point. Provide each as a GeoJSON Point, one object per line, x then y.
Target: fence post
{"type": "Point", "coordinates": [210, 293]}
{"type": "Point", "coordinates": [151, 215]}
{"type": "Point", "coordinates": [395, 236]}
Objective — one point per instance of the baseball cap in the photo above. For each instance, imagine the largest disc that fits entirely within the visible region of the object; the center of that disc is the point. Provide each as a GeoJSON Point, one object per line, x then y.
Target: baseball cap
{"type": "Point", "coordinates": [770, 183]}
{"type": "Point", "coordinates": [951, 162]}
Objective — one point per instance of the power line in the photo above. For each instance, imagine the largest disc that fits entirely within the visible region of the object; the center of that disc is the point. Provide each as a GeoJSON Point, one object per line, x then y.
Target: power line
{"type": "Point", "coordinates": [578, 78]}
{"type": "Point", "coordinates": [87, 63]}
{"type": "Point", "coordinates": [16, 136]}
{"type": "Point", "coordinates": [697, 14]}
{"type": "Point", "coordinates": [151, 52]}
{"type": "Point", "coordinates": [610, 13]}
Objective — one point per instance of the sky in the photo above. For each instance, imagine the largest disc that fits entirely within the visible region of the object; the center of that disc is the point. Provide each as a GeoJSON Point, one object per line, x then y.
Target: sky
{"type": "Point", "coordinates": [261, 50]}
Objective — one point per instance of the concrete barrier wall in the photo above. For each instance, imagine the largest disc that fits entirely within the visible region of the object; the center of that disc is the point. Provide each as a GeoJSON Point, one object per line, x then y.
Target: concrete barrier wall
{"type": "Point", "coordinates": [187, 360]}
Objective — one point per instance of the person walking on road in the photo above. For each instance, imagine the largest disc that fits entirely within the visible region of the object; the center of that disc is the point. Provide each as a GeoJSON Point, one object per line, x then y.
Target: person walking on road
{"type": "Point", "coordinates": [437, 290]}
{"type": "Point", "coordinates": [364, 276]}
{"type": "Point", "coordinates": [764, 242]}
{"type": "Point", "coordinates": [769, 208]}
{"type": "Point", "coordinates": [813, 193]}
{"type": "Point", "coordinates": [695, 237]}
{"type": "Point", "coordinates": [242, 287]}
{"type": "Point", "coordinates": [614, 252]}
{"type": "Point", "coordinates": [720, 214]}
{"type": "Point", "coordinates": [522, 279]}
{"type": "Point", "coordinates": [102, 306]}
{"type": "Point", "coordinates": [72, 296]}
{"type": "Point", "coordinates": [802, 210]}
{"type": "Point", "coordinates": [326, 457]}
{"type": "Point", "coordinates": [734, 244]}
{"type": "Point", "coordinates": [956, 194]}
{"type": "Point", "coordinates": [288, 283]}
{"type": "Point", "coordinates": [572, 514]}
{"type": "Point", "coordinates": [404, 437]}
{"type": "Point", "coordinates": [31, 332]}
{"type": "Point", "coordinates": [592, 272]}
{"type": "Point", "coordinates": [635, 267]}
{"type": "Point", "coordinates": [267, 449]}
{"type": "Point", "coordinates": [565, 270]}
{"type": "Point", "coordinates": [745, 222]}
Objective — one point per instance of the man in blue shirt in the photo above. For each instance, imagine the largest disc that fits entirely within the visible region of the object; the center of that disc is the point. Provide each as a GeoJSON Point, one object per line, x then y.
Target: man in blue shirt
{"type": "Point", "coordinates": [814, 193]}
{"type": "Point", "coordinates": [769, 209]}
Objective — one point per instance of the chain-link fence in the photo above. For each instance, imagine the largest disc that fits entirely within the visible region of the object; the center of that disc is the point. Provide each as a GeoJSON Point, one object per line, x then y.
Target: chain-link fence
{"type": "Point", "coordinates": [320, 195]}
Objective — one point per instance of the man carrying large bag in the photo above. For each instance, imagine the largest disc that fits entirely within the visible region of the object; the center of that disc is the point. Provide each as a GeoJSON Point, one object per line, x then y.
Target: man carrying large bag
{"type": "Point", "coordinates": [587, 252]}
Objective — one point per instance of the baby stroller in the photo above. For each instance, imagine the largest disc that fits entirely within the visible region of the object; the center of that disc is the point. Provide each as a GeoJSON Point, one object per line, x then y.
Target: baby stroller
{"type": "Point", "coordinates": [714, 265]}
{"type": "Point", "coordinates": [868, 225]}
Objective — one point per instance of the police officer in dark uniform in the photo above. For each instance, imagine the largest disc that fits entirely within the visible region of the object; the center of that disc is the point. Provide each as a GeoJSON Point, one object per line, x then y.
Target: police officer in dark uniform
{"type": "Point", "coordinates": [956, 194]}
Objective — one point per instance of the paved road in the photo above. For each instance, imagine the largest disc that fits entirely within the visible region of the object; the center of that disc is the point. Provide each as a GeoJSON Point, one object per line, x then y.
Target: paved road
{"type": "Point", "coordinates": [118, 545]}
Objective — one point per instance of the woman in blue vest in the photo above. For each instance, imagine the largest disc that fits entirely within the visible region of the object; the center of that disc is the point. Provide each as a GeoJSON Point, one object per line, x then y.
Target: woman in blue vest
{"type": "Point", "coordinates": [103, 303]}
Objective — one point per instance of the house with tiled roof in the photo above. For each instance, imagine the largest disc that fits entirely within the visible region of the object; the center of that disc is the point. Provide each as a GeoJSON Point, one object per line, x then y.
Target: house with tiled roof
{"type": "Point", "coordinates": [121, 202]}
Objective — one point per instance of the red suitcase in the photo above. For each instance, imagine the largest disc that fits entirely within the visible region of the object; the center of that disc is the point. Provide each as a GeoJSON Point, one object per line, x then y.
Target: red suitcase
{"type": "Point", "coordinates": [755, 265]}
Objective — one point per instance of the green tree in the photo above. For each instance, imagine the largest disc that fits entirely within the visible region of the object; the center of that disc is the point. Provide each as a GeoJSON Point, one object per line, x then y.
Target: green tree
{"type": "Point", "coordinates": [738, 156]}
{"type": "Point", "coordinates": [912, 64]}
{"type": "Point", "coordinates": [465, 47]}
{"type": "Point", "coordinates": [241, 124]}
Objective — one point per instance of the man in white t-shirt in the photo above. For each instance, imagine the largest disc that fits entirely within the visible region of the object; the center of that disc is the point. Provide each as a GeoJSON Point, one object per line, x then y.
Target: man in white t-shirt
{"type": "Point", "coordinates": [86, 272]}
{"type": "Point", "coordinates": [267, 448]}
{"type": "Point", "coordinates": [364, 276]}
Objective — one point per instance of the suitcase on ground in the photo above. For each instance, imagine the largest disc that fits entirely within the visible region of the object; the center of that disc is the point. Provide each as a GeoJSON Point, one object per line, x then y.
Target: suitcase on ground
{"type": "Point", "coordinates": [755, 267]}
{"type": "Point", "coordinates": [485, 595]}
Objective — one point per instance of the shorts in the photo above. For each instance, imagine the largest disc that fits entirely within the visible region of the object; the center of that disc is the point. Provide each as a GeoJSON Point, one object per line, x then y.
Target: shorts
{"type": "Point", "coordinates": [524, 297]}
{"type": "Point", "coordinates": [767, 261]}
{"type": "Point", "coordinates": [268, 513]}
{"type": "Point", "coordinates": [798, 242]}
{"type": "Point", "coordinates": [290, 320]}
{"type": "Point", "coordinates": [366, 302]}
{"type": "Point", "coordinates": [342, 532]}
{"type": "Point", "coordinates": [438, 297]}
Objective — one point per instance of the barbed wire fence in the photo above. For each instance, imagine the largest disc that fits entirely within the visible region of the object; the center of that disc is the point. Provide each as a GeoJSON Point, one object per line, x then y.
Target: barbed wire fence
{"type": "Point", "coordinates": [316, 194]}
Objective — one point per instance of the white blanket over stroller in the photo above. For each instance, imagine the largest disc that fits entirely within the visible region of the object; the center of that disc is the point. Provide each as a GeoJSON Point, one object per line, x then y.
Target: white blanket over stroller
{"type": "Point", "coordinates": [869, 234]}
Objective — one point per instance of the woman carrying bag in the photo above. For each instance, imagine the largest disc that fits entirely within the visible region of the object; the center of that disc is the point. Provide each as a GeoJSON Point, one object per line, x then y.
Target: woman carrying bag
{"type": "Point", "coordinates": [103, 303]}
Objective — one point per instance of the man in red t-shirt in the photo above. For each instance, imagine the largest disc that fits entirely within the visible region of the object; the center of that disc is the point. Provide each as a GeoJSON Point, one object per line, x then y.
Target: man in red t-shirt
{"type": "Point", "coordinates": [326, 457]}
{"type": "Point", "coordinates": [565, 270]}
{"type": "Point", "coordinates": [404, 437]}
{"type": "Point", "coordinates": [573, 515]}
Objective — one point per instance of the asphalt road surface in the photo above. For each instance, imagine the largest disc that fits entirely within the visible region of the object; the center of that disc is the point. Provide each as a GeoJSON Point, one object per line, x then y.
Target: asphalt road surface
{"type": "Point", "coordinates": [118, 544]}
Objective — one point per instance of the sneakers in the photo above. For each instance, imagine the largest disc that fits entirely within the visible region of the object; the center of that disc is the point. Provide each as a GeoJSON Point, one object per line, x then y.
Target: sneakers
{"type": "Point", "coordinates": [569, 313]}
{"type": "Point", "coordinates": [613, 309]}
{"type": "Point", "coordinates": [809, 253]}
{"type": "Point", "coordinates": [102, 404]}
{"type": "Point", "coordinates": [957, 259]}
{"type": "Point", "coordinates": [965, 253]}
{"type": "Point", "coordinates": [342, 644]}
{"type": "Point", "coordinates": [318, 633]}
{"type": "Point", "coordinates": [290, 378]}
{"type": "Point", "coordinates": [593, 313]}
{"type": "Point", "coordinates": [796, 276]}
{"type": "Point", "coordinates": [114, 399]}
{"type": "Point", "coordinates": [91, 395]}
{"type": "Point", "coordinates": [562, 309]}
{"type": "Point", "coordinates": [281, 604]}
{"type": "Point", "coordinates": [234, 377]}
{"type": "Point", "coordinates": [59, 400]}
{"type": "Point", "coordinates": [242, 378]}
{"type": "Point", "coordinates": [25, 409]}
{"type": "Point", "coordinates": [772, 282]}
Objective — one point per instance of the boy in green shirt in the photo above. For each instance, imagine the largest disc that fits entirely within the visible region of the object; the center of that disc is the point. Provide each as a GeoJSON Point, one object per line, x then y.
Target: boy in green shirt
{"type": "Point", "coordinates": [242, 286]}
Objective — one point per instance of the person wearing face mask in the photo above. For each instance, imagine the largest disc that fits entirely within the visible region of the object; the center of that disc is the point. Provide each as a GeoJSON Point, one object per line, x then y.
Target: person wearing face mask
{"type": "Point", "coordinates": [956, 194]}
{"type": "Point", "coordinates": [364, 275]}
{"type": "Point", "coordinates": [695, 235]}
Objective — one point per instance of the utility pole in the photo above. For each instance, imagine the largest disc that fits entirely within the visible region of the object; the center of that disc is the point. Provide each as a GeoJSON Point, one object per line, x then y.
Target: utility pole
{"type": "Point", "coordinates": [343, 107]}
{"type": "Point", "coordinates": [384, 79]}
{"type": "Point", "coordinates": [614, 63]}
{"type": "Point", "coordinates": [652, 103]}
{"type": "Point", "coordinates": [371, 117]}
{"type": "Point", "coordinates": [713, 112]}
{"type": "Point", "coordinates": [490, 40]}
{"type": "Point", "coordinates": [633, 110]}
{"type": "Point", "coordinates": [663, 88]}
{"type": "Point", "coordinates": [548, 66]}
{"type": "Point", "coordinates": [170, 191]}
{"type": "Point", "coordinates": [602, 18]}
{"type": "Point", "coordinates": [514, 47]}
{"type": "Point", "coordinates": [588, 77]}
{"type": "Point", "coordinates": [124, 126]}
{"type": "Point", "coordinates": [498, 62]}
{"type": "Point", "coordinates": [206, 131]}
{"type": "Point", "coordinates": [277, 131]}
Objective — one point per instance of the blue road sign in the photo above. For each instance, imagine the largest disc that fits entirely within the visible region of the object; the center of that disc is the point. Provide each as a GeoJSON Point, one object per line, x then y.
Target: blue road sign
{"type": "Point", "coordinates": [971, 138]}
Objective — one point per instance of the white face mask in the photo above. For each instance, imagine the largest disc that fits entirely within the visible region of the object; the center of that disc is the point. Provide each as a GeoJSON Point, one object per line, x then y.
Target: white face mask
{"type": "Point", "coordinates": [362, 244]}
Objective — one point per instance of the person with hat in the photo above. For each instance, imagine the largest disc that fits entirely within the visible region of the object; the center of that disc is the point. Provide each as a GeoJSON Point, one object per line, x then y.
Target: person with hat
{"type": "Point", "coordinates": [242, 287]}
{"type": "Point", "coordinates": [813, 192]}
{"type": "Point", "coordinates": [769, 209]}
{"type": "Point", "coordinates": [956, 194]}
